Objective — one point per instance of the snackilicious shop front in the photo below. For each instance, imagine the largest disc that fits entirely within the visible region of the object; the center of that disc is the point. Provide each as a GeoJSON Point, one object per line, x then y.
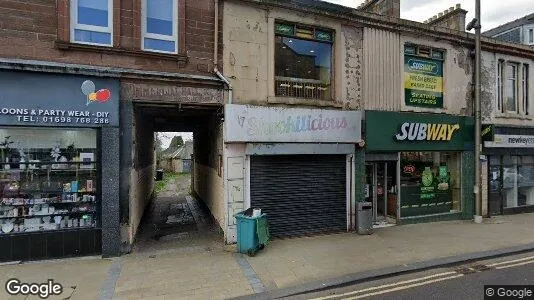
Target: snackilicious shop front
{"type": "Point", "coordinates": [59, 193]}
{"type": "Point", "coordinates": [419, 167]}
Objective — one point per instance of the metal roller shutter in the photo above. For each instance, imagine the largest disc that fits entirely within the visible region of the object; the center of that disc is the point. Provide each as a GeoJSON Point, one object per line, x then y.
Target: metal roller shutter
{"type": "Point", "coordinates": [301, 194]}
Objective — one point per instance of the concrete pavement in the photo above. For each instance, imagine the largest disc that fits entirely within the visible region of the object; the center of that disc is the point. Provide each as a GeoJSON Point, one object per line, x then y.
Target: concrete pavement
{"type": "Point", "coordinates": [296, 265]}
{"type": "Point", "coordinates": [465, 281]}
{"type": "Point", "coordinates": [195, 264]}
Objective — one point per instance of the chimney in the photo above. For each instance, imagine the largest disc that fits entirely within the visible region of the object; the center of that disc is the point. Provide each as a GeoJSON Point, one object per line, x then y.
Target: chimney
{"type": "Point", "coordinates": [382, 7]}
{"type": "Point", "coordinates": [452, 18]}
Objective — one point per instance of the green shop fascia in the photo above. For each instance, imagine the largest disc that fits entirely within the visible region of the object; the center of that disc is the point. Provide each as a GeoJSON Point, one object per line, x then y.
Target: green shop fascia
{"type": "Point", "coordinates": [430, 162]}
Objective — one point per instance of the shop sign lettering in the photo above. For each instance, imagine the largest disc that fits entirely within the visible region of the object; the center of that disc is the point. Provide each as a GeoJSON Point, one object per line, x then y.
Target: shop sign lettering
{"type": "Point", "coordinates": [423, 82]}
{"type": "Point", "coordinates": [295, 124]}
{"type": "Point", "coordinates": [292, 125]}
{"type": "Point", "coordinates": [426, 132]}
{"type": "Point", "coordinates": [56, 116]}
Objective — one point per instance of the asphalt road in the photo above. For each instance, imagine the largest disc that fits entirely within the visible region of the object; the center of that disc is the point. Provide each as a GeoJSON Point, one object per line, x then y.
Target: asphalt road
{"type": "Point", "coordinates": [457, 282]}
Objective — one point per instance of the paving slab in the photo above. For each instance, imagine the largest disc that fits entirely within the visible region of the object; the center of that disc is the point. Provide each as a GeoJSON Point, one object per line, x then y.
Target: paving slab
{"type": "Point", "coordinates": [325, 260]}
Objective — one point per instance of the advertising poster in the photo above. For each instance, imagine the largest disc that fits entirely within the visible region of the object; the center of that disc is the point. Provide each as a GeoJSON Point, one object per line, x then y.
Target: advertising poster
{"type": "Point", "coordinates": [423, 82]}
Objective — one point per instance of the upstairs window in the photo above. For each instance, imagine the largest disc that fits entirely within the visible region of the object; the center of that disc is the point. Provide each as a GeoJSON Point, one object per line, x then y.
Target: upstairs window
{"type": "Point", "coordinates": [92, 22]}
{"type": "Point", "coordinates": [423, 76]}
{"type": "Point", "coordinates": [511, 87]}
{"type": "Point", "coordinates": [531, 36]}
{"type": "Point", "coordinates": [500, 85]}
{"type": "Point", "coordinates": [160, 28]}
{"type": "Point", "coordinates": [525, 87]}
{"type": "Point", "coordinates": [303, 62]}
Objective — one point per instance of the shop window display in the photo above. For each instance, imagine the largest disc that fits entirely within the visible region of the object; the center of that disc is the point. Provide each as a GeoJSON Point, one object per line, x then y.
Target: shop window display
{"type": "Point", "coordinates": [48, 179]}
{"type": "Point", "coordinates": [518, 181]}
{"type": "Point", "coordinates": [430, 183]}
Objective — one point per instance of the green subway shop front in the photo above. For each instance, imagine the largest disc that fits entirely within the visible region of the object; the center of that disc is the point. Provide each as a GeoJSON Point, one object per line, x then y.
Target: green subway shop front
{"type": "Point", "coordinates": [418, 167]}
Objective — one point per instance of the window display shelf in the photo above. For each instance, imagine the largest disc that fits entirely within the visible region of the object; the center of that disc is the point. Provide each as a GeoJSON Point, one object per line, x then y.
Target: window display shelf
{"type": "Point", "coordinates": [13, 194]}
{"type": "Point", "coordinates": [49, 163]}
{"type": "Point", "coordinates": [60, 202]}
{"type": "Point", "coordinates": [54, 214]}
{"type": "Point", "coordinates": [61, 230]}
{"type": "Point", "coordinates": [49, 181]}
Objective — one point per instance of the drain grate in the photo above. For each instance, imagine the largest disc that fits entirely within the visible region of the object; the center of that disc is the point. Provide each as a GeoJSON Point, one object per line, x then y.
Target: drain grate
{"type": "Point", "coordinates": [481, 268]}
{"type": "Point", "coordinates": [470, 269]}
{"type": "Point", "coordinates": [465, 270]}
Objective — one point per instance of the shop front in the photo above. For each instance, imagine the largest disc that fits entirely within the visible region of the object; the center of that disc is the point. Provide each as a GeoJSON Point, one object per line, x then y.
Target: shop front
{"type": "Point", "coordinates": [418, 166]}
{"type": "Point", "coordinates": [296, 165]}
{"type": "Point", "coordinates": [510, 164]}
{"type": "Point", "coordinates": [59, 166]}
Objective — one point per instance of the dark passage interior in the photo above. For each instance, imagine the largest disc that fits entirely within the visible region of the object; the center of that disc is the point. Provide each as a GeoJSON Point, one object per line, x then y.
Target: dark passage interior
{"type": "Point", "coordinates": [179, 213]}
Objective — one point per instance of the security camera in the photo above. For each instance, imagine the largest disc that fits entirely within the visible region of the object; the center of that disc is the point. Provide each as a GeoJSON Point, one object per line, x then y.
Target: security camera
{"type": "Point", "coordinates": [472, 25]}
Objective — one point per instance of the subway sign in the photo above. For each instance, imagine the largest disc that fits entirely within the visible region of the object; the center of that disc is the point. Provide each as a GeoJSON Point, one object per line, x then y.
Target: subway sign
{"type": "Point", "coordinates": [423, 82]}
{"type": "Point", "coordinates": [387, 131]}
{"type": "Point", "coordinates": [423, 66]}
{"type": "Point", "coordinates": [426, 132]}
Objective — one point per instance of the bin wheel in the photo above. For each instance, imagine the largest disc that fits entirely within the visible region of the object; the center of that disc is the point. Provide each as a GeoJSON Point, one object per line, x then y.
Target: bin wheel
{"type": "Point", "coordinates": [251, 252]}
{"type": "Point", "coordinates": [261, 246]}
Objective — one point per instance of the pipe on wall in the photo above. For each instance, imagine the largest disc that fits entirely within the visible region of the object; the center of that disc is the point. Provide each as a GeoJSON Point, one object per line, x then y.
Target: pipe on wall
{"type": "Point", "coordinates": [216, 54]}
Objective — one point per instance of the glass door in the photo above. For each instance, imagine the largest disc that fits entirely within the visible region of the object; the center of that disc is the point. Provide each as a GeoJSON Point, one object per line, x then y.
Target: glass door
{"type": "Point", "coordinates": [376, 190]}
{"type": "Point", "coordinates": [495, 195]}
{"type": "Point", "coordinates": [380, 202]}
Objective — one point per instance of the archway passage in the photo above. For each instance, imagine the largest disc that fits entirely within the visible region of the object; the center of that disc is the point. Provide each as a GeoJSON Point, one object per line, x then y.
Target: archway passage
{"type": "Point", "coordinates": [171, 191]}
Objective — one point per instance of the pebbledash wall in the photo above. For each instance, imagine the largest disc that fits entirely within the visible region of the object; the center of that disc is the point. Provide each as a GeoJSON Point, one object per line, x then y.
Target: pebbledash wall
{"type": "Point", "coordinates": [39, 111]}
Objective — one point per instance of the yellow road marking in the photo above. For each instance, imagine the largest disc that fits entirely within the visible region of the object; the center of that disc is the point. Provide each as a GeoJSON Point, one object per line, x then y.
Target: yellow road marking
{"type": "Point", "coordinates": [510, 261]}
{"type": "Point", "coordinates": [515, 265]}
{"type": "Point", "coordinates": [404, 287]}
{"type": "Point", "coordinates": [386, 285]}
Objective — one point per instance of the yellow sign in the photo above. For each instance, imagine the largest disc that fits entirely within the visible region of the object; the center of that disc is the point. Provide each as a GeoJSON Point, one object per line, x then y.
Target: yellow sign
{"type": "Point", "coordinates": [423, 82]}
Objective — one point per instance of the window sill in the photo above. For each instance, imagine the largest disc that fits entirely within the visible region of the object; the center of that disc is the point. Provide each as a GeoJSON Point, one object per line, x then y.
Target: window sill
{"type": "Point", "coordinates": [103, 49]}
{"type": "Point", "coordinates": [304, 101]}
{"type": "Point", "coordinates": [513, 116]}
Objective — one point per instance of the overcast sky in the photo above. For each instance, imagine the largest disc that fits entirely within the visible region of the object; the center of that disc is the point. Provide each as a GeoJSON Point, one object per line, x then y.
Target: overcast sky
{"type": "Point", "coordinates": [166, 137]}
{"type": "Point", "coordinates": [493, 12]}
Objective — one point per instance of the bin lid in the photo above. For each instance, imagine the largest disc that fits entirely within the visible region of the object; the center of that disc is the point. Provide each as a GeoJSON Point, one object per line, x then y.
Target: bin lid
{"type": "Point", "coordinates": [240, 215]}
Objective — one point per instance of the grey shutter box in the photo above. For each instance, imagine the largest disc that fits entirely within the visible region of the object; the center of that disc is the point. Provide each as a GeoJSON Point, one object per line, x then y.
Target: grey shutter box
{"type": "Point", "coordinates": [301, 194]}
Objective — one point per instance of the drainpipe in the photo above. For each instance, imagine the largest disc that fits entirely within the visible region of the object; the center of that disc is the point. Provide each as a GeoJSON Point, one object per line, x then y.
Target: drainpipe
{"type": "Point", "coordinates": [216, 53]}
{"type": "Point", "coordinates": [478, 191]}
{"type": "Point", "coordinates": [221, 76]}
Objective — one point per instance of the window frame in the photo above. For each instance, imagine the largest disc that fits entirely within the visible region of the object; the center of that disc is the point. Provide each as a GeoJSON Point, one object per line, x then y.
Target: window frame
{"type": "Point", "coordinates": [516, 86]}
{"type": "Point", "coordinates": [429, 53]}
{"type": "Point", "coordinates": [525, 78]}
{"type": "Point", "coordinates": [295, 35]}
{"type": "Point", "coordinates": [175, 27]}
{"type": "Point", "coordinates": [75, 26]}
{"type": "Point", "coordinates": [529, 35]}
{"type": "Point", "coordinates": [500, 85]}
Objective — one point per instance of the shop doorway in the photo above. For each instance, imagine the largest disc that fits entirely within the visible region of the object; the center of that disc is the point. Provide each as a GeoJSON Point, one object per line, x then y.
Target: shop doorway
{"type": "Point", "coordinates": [381, 191]}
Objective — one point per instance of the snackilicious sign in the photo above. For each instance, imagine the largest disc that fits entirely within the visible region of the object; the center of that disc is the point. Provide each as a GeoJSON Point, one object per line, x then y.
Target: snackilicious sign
{"type": "Point", "coordinates": [423, 82]}
{"type": "Point", "coordinates": [274, 124]}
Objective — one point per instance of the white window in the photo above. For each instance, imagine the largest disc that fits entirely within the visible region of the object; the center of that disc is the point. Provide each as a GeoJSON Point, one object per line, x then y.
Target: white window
{"type": "Point", "coordinates": [500, 86]}
{"type": "Point", "coordinates": [525, 88]}
{"type": "Point", "coordinates": [160, 26]}
{"type": "Point", "coordinates": [531, 36]}
{"type": "Point", "coordinates": [511, 87]}
{"type": "Point", "coordinates": [92, 22]}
